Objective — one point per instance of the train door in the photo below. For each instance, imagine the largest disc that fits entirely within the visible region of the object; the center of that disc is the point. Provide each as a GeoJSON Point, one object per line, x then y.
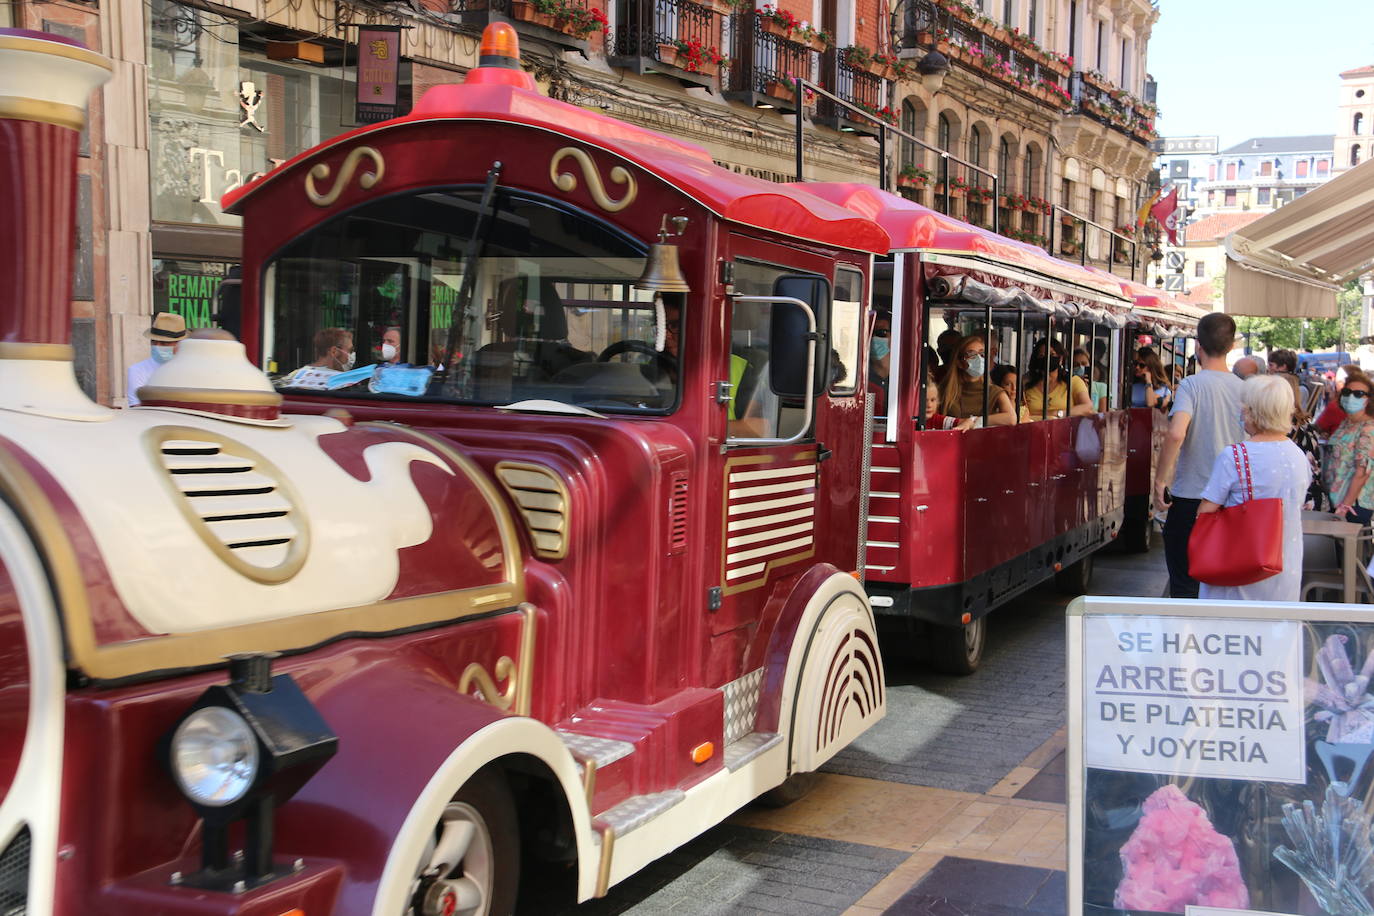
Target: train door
{"type": "Point", "coordinates": [791, 458]}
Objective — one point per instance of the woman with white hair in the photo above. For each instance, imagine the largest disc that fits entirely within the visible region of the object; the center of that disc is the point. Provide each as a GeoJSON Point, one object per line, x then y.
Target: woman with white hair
{"type": "Point", "coordinates": [1278, 470]}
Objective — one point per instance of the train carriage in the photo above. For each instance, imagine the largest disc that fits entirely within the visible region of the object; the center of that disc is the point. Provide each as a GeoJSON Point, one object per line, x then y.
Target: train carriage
{"type": "Point", "coordinates": [962, 522]}
{"type": "Point", "coordinates": [569, 570]}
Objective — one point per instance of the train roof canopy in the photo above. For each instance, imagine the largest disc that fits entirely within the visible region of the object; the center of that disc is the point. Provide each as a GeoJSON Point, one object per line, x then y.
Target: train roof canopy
{"type": "Point", "coordinates": [498, 93]}
{"type": "Point", "coordinates": [914, 227]}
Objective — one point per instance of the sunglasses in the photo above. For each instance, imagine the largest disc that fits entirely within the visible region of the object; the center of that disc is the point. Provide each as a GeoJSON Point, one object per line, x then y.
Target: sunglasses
{"type": "Point", "coordinates": [882, 332]}
{"type": "Point", "coordinates": [1354, 393]}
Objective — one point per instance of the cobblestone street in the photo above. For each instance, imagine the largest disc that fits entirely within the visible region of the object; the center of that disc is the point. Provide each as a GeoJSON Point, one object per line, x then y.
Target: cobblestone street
{"type": "Point", "coordinates": [952, 806]}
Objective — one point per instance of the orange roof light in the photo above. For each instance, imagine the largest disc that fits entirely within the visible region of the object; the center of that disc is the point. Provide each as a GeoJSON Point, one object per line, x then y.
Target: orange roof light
{"type": "Point", "coordinates": [500, 46]}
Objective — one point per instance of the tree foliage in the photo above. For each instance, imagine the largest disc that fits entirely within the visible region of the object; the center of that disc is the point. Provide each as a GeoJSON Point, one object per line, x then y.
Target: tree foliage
{"type": "Point", "coordinates": [1322, 333]}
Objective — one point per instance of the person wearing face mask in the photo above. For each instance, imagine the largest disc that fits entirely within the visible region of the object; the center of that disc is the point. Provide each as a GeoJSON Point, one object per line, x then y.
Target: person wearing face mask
{"type": "Point", "coordinates": [962, 388]}
{"type": "Point", "coordinates": [1070, 398]}
{"type": "Point", "coordinates": [391, 346]}
{"type": "Point", "coordinates": [1083, 368]}
{"type": "Point", "coordinates": [166, 332]}
{"type": "Point", "coordinates": [333, 354]}
{"type": "Point", "coordinates": [880, 360]}
{"type": "Point", "coordinates": [1346, 470]}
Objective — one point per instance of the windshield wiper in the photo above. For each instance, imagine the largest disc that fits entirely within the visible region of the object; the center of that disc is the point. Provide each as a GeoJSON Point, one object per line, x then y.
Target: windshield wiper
{"type": "Point", "coordinates": [477, 243]}
{"type": "Point", "coordinates": [543, 405]}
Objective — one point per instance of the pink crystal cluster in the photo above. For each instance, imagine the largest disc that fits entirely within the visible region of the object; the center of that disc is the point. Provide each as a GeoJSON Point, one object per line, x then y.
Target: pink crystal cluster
{"type": "Point", "coordinates": [1175, 858]}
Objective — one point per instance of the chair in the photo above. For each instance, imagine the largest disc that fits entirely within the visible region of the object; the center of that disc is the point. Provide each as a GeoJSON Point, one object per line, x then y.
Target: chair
{"type": "Point", "coordinates": [1324, 574]}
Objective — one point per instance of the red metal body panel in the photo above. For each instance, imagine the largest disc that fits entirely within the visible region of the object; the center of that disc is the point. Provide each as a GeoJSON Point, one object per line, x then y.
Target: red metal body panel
{"type": "Point", "coordinates": [14, 682]}
{"type": "Point", "coordinates": [394, 704]}
{"type": "Point", "coordinates": [1147, 428]}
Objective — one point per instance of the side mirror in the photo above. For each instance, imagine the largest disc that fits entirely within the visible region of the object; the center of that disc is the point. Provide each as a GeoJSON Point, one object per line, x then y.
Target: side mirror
{"type": "Point", "coordinates": [788, 340]}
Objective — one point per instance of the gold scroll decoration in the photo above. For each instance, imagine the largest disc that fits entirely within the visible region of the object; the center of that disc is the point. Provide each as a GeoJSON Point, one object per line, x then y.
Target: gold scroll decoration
{"type": "Point", "coordinates": [366, 181]}
{"type": "Point", "coordinates": [519, 678]}
{"type": "Point", "coordinates": [567, 181]}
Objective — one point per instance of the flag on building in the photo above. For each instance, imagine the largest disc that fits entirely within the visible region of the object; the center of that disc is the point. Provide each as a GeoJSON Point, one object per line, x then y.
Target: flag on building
{"type": "Point", "coordinates": [1144, 213]}
{"type": "Point", "coordinates": [1166, 214]}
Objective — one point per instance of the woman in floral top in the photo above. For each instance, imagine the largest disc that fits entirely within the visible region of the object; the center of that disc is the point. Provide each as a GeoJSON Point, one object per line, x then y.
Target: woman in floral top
{"type": "Point", "coordinates": [1351, 451]}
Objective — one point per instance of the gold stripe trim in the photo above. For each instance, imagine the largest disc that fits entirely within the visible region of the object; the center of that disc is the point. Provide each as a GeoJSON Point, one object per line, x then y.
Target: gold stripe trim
{"type": "Point", "coordinates": [603, 872]}
{"type": "Point", "coordinates": [211, 396]}
{"type": "Point", "coordinates": [44, 112]}
{"type": "Point", "coordinates": [56, 49]}
{"type": "Point", "coordinates": [208, 648]}
{"type": "Point", "coordinates": [57, 353]}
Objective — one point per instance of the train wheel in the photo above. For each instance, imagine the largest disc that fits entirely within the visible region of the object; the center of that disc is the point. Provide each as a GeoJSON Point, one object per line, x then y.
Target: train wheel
{"type": "Point", "coordinates": [471, 865]}
{"type": "Point", "coordinates": [1076, 579]}
{"type": "Point", "coordinates": [959, 649]}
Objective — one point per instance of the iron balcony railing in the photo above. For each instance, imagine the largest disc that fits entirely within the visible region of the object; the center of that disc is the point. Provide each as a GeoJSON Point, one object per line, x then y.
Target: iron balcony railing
{"type": "Point", "coordinates": [851, 84]}
{"type": "Point", "coordinates": [1120, 114]}
{"type": "Point", "coordinates": [924, 23]}
{"type": "Point", "coordinates": [652, 28]}
{"type": "Point", "coordinates": [763, 62]}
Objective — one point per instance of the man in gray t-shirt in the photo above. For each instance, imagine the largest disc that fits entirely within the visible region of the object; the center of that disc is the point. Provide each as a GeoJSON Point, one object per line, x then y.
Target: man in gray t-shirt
{"type": "Point", "coordinates": [1205, 419]}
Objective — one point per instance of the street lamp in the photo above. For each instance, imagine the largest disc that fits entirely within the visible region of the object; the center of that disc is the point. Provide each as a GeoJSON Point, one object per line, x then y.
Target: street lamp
{"type": "Point", "coordinates": [934, 66]}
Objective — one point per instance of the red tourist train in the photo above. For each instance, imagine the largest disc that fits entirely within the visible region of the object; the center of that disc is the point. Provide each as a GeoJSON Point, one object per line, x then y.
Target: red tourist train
{"type": "Point", "coordinates": [569, 571]}
{"type": "Point", "coordinates": [959, 523]}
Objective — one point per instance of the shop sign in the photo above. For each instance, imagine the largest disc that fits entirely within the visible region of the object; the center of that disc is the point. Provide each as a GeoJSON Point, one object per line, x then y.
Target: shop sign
{"type": "Point", "coordinates": [379, 67]}
{"type": "Point", "coordinates": [1219, 758]}
{"type": "Point", "coordinates": [189, 289]}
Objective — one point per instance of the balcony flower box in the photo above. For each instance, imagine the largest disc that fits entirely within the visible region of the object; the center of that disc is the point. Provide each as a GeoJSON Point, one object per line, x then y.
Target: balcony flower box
{"type": "Point", "coordinates": [910, 181]}
{"type": "Point", "coordinates": [775, 28]}
{"type": "Point", "coordinates": [668, 54]}
{"type": "Point", "coordinates": [1068, 248]}
{"type": "Point", "coordinates": [777, 89]}
{"type": "Point", "coordinates": [955, 191]}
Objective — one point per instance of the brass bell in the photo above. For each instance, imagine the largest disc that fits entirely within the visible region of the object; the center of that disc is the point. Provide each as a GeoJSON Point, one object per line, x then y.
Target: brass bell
{"type": "Point", "coordinates": [662, 271]}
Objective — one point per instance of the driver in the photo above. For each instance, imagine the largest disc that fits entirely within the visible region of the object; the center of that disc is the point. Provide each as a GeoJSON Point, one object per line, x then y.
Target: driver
{"type": "Point", "coordinates": [333, 354]}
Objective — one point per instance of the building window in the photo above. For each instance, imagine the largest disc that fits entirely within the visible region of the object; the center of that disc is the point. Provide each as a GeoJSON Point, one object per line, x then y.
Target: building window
{"type": "Point", "coordinates": [1101, 45]}
{"type": "Point", "coordinates": [1301, 171]}
{"type": "Point", "coordinates": [1125, 64]}
{"type": "Point", "coordinates": [1008, 12]}
{"type": "Point", "coordinates": [914, 123]}
{"type": "Point", "coordinates": [1230, 171]}
{"type": "Point", "coordinates": [1073, 30]}
{"type": "Point", "coordinates": [1212, 172]}
{"type": "Point", "coordinates": [1031, 13]}
{"type": "Point", "coordinates": [1006, 165]}
{"type": "Point", "coordinates": [1030, 180]}
{"type": "Point", "coordinates": [1211, 198]}
{"type": "Point", "coordinates": [1355, 154]}
{"type": "Point", "coordinates": [1230, 200]}
{"type": "Point", "coordinates": [1066, 195]}
{"type": "Point", "coordinates": [1093, 197]}
{"type": "Point", "coordinates": [1199, 269]}
{"type": "Point", "coordinates": [942, 132]}
{"type": "Point", "coordinates": [1323, 166]}
{"type": "Point", "coordinates": [1357, 127]}
{"type": "Point", "coordinates": [1262, 196]}
{"type": "Point", "coordinates": [1266, 168]}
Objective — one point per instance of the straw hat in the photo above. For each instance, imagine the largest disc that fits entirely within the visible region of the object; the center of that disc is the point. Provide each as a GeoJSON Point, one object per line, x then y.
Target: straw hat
{"type": "Point", "coordinates": [167, 326]}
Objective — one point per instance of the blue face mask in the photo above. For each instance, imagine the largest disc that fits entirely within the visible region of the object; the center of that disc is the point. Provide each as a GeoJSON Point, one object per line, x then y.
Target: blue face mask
{"type": "Point", "coordinates": [879, 347]}
{"type": "Point", "coordinates": [1080, 371]}
{"type": "Point", "coordinates": [1352, 405]}
{"type": "Point", "coordinates": [162, 354]}
{"type": "Point", "coordinates": [976, 366]}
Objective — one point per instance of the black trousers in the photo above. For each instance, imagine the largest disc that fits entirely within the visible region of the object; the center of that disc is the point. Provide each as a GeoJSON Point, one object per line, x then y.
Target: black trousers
{"type": "Point", "coordinates": [1177, 528]}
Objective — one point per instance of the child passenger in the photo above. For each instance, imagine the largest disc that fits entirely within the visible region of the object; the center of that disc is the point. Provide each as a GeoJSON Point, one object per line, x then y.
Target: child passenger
{"type": "Point", "coordinates": [937, 420]}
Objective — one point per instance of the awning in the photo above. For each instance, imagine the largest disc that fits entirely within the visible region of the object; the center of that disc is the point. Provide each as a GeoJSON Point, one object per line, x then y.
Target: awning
{"type": "Point", "coordinates": [1290, 263]}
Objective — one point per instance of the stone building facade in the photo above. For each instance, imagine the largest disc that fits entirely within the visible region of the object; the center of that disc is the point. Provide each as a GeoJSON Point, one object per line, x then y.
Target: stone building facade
{"type": "Point", "coordinates": [1051, 96]}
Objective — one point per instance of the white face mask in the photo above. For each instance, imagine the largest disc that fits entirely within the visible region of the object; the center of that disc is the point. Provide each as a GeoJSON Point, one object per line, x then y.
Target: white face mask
{"type": "Point", "coordinates": [162, 354]}
{"type": "Point", "coordinates": [388, 352]}
{"type": "Point", "coordinates": [352, 358]}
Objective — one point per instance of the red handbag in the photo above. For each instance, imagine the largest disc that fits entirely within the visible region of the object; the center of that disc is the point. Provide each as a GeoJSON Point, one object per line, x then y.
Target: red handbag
{"type": "Point", "coordinates": [1241, 544]}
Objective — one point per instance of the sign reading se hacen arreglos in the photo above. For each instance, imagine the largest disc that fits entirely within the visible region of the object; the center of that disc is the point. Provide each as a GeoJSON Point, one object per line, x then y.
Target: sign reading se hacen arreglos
{"type": "Point", "coordinates": [1196, 697]}
{"type": "Point", "coordinates": [1221, 758]}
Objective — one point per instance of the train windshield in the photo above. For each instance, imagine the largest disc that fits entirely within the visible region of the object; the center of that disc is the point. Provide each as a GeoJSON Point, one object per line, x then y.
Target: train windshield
{"type": "Point", "coordinates": [397, 299]}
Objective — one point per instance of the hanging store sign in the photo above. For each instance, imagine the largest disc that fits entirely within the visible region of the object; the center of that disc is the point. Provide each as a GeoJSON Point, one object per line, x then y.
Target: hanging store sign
{"type": "Point", "coordinates": [1219, 758]}
{"type": "Point", "coordinates": [379, 67]}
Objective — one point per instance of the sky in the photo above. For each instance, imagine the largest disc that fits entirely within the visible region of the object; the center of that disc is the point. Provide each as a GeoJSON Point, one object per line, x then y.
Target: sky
{"type": "Point", "coordinates": [1253, 68]}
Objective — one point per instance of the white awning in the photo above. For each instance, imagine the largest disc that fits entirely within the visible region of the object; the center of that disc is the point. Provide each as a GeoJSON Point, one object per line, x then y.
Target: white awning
{"type": "Point", "coordinates": [1291, 263]}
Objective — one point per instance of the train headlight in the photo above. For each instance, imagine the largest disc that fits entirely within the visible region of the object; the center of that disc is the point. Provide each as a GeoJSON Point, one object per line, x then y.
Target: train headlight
{"type": "Point", "coordinates": [214, 756]}
{"type": "Point", "coordinates": [238, 753]}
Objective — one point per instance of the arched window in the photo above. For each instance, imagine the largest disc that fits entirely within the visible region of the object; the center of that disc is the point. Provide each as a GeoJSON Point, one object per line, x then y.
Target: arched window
{"type": "Point", "coordinates": [1355, 154]}
{"type": "Point", "coordinates": [914, 123]}
{"type": "Point", "coordinates": [1358, 125]}
{"type": "Point", "coordinates": [944, 132]}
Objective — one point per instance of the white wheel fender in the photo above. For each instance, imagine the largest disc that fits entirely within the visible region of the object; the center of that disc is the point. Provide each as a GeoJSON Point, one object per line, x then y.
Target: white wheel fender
{"type": "Point", "coordinates": [502, 738]}
{"type": "Point", "coordinates": [834, 688]}
{"type": "Point", "coordinates": [34, 796]}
